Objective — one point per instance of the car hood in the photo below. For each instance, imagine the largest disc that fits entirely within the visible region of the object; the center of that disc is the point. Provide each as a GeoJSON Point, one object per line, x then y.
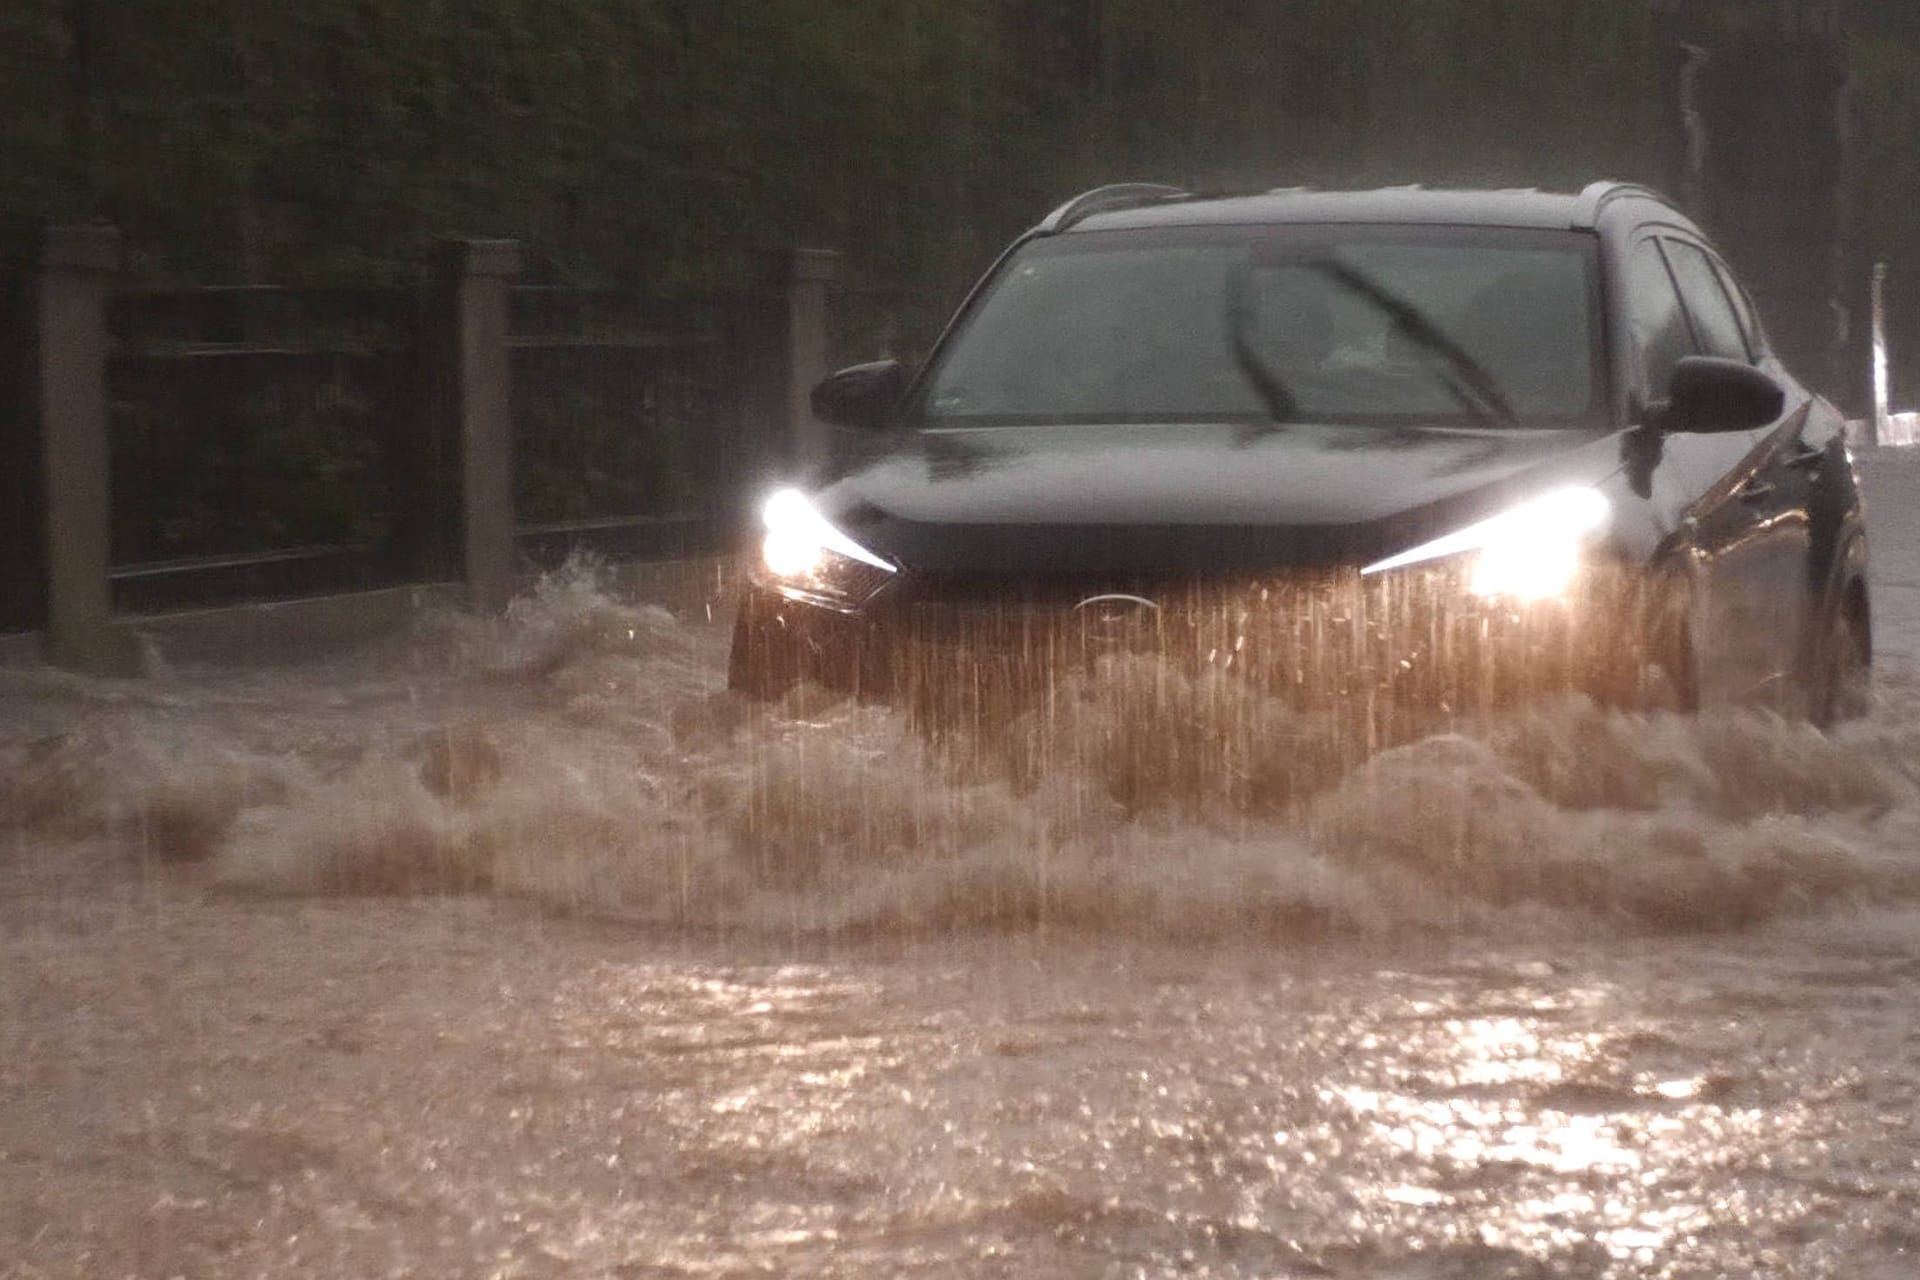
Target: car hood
{"type": "Point", "coordinates": [1179, 499]}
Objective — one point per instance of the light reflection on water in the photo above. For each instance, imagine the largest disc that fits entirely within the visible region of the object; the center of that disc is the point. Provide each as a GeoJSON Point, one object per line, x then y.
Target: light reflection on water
{"type": "Point", "coordinates": [992, 1105]}
{"type": "Point", "coordinates": [1150, 1109]}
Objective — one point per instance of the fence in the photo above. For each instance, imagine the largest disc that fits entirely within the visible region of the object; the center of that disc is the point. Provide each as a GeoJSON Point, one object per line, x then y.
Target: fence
{"type": "Point", "coordinates": [628, 421]}
{"type": "Point", "coordinates": [258, 444]}
{"type": "Point", "coordinates": [187, 448]}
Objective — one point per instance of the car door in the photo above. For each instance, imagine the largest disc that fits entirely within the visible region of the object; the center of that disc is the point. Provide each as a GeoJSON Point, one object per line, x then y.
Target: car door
{"type": "Point", "coordinates": [1694, 474]}
{"type": "Point", "coordinates": [1759, 534]}
{"type": "Point", "coordinates": [1821, 466]}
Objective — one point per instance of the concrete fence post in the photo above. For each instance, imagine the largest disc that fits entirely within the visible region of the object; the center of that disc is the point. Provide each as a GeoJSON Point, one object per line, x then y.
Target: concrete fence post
{"type": "Point", "coordinates": [474, 276]}
{"type": "Point", "coordinates": [1879, 305]}
{"type": "Point", "coordinates": [810, 274]}
{"type": "Point", "coordinates": [23, 577]}
{"type": "Point", "coordinates": [72, 280]}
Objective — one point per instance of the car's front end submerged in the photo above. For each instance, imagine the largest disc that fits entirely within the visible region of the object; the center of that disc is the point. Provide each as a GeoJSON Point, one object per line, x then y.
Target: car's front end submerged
{"type": "Point", "coordinates": [1530, 601]}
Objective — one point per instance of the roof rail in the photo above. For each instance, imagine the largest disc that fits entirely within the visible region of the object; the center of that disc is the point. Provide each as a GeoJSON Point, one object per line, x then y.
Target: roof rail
{"type": "Point", "coordinates": [1595, 196]}
{"type": "Point", "coordinates": [1118, 195]}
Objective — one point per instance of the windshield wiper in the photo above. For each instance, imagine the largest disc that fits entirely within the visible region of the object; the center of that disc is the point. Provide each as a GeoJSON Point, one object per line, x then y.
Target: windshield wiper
{"type": "Point", "coordinates": [1465, 378]}
{"type": "Point", "coordinates": [1279, 400]}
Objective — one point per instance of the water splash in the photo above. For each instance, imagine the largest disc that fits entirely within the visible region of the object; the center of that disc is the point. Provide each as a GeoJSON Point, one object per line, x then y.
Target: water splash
{"type": "Point", "coordinates": [581, 753]}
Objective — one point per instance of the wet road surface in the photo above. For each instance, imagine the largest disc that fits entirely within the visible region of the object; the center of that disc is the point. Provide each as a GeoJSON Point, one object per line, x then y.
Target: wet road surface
{"type": "Point", "coordinates": [522, 951]}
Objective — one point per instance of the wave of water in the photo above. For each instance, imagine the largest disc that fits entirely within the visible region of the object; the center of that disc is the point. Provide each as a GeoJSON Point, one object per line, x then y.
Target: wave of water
{"type": "Point", "coordinates": [582, 754]}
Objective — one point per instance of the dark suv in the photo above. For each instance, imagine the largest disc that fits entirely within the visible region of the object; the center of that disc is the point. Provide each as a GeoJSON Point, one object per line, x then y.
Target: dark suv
{"type": "Point", "coordinates": [1395, 449]}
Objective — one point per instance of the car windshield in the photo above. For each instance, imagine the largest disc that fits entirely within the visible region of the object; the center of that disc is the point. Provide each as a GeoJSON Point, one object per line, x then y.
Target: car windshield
{"type": "Point", "coordinates": [1473, 326]}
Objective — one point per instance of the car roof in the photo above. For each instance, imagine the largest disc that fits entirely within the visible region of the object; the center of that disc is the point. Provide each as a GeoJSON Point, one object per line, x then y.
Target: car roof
{"type": "Point", "coordinates": [1132, 205]}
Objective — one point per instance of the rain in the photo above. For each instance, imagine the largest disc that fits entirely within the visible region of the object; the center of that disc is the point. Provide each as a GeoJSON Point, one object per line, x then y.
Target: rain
{"type": "Point", "coordinates": [510, 942]}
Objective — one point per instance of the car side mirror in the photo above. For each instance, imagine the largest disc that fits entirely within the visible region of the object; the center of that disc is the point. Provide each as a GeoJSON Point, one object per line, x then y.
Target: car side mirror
{"type": "Point", "coordinates": [1709, 394]}
{"type": "Point", "coordinates": [862, 397]}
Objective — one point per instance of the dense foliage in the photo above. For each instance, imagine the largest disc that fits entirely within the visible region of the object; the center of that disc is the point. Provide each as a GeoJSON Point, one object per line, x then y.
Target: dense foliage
{"type": "Point", "coordinates": [665, 140]}
{"type": "Point", "coordinates": [621, 138]}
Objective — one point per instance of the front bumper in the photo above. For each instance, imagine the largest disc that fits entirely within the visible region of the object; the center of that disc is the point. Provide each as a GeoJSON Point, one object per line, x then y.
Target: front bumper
{"type": "Point", "coordinates": [1413, 638]}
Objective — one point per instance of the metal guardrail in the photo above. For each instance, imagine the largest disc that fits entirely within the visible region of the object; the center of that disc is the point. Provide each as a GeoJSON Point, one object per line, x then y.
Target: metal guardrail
{"type": "Point", "coordinates": [628, 426]}
{"type": "Point", "coordinates": [287, 573]}
{"type": "Point", "coordinates": [255, 442]}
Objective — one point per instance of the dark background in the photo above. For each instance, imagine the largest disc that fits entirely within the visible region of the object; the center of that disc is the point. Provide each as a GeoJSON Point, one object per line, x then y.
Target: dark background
{"type": "Point", "coordinates": [665, 146]}
{"type": "Point", "coordinates": [662, 142]}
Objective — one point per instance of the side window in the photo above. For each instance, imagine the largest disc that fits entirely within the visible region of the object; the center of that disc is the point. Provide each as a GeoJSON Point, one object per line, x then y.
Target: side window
{"type": "Point", "coordinates": [1714, 319]}
{"type": "Point", "coordinates": [1660, 334]}
{"type": "Point", "coordinates": [1743, 307]}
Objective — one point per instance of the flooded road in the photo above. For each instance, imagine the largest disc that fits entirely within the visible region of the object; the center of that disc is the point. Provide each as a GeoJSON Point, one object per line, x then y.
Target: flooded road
{"type": "Point", "coordinates": [524, 951]}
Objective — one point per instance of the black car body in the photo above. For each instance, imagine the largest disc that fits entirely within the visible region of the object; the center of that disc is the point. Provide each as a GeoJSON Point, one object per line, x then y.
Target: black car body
{"type": "Point", "coordinates": [1394, 448]}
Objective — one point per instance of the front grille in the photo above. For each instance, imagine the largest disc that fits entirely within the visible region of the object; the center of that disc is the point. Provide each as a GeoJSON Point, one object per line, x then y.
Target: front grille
{"type": "Point", "coordinates": [1296, 608]}
{"type": "Point", "coordinates": [1316, 636]}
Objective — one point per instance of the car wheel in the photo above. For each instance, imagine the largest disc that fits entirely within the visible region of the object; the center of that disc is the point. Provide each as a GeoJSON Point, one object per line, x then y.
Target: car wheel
{"type": "Point", "coordinates": [764, 663]}
{"type": "Point", "coordinates": [1657, 668]}
{"type": "Point", "coordinates": [1669, 678]}
{"type": "Point", "coordinates": [1846, 686]}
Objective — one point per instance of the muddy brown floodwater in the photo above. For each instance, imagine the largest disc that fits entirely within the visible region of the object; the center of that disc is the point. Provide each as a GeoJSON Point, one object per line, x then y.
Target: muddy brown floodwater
{"type": "Point", "coordinates": [521, 950]}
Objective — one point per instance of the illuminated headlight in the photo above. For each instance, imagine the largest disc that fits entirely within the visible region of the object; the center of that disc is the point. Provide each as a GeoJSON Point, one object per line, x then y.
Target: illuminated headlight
{"type": "Point", "coordinates": [1530, 552]}
{"type": "Point", "coordinates": [804, 552]}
